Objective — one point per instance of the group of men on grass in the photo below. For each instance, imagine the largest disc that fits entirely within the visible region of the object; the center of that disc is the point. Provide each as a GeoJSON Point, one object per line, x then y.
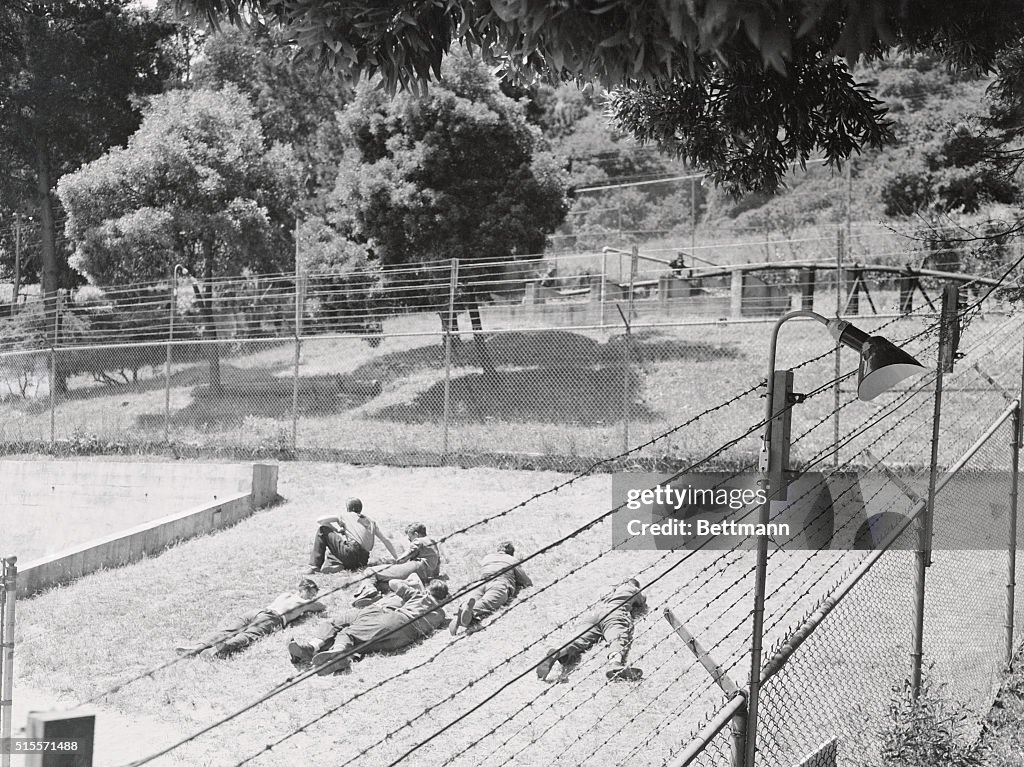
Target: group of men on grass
{"type": "Point", "coordinates": [400, 603]}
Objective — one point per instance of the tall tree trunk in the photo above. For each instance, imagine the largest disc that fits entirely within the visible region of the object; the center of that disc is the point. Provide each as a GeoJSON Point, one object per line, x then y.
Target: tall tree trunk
{"type": "Point", "coordinates": [50, 272]}
{"type": "Point", "coordinates": [479, 341]}
{"type": "Point", "coordinates": [213, 348]}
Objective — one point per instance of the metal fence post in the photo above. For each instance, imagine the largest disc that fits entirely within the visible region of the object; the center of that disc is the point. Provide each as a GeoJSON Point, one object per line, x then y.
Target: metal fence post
{"type": "Point", "coordinates": [839, 370]}
{"type": "Point", "coordinates": [298, 342]}
{"type": "Point", "coordinates": [53, 371]}
{"type": "Point", "coordinates": [1011, 572]}
{"type": "Point", "coordinates": [604, 280]}
{"type": "Point", "coordinates": [449, 322]}
{"type": "Point", "coordinates": [10, 586]}
{"type": "Point", "coordinates": [167, 362]}
{"type": "Point", "coordinates": [924, 548]}
{"type": "Point", "coordinates": [627, 393]}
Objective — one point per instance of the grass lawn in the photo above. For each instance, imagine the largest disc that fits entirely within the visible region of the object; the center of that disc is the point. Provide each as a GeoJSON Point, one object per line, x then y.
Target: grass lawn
{"type": "Point", "coordinates": [79, 640]}
{"type": "Point", "coordinates": [558, 393]}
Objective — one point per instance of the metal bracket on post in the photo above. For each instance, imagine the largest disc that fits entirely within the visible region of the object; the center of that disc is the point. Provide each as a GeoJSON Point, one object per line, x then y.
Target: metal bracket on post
{"type": "Point", "coordinates": [774, 460]}
{"type": "Point", "coordinates": [722, 679]}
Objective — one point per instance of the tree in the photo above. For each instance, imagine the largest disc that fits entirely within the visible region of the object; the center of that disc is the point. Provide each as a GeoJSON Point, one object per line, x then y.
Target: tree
{"type": "Point", "coordinates": [458, 173]}
{"type": "Point", "coordinates": [294, 99]}
{"type": "Point", "coordinates": [69, 72]}
{"type": "Point", "coordinates": [196, 185]}
{"type": "Point", "coordinates": [743, 88]}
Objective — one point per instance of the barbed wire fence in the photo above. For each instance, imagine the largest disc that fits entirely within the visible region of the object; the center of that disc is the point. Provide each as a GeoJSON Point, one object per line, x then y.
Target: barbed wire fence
{"type": "Point", "coordinates": [494, 363]}
{"type": "Point", "coordinates": [812, 651]}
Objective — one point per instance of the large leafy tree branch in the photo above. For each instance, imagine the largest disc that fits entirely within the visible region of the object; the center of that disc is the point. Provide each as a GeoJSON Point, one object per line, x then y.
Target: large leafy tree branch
{"type": "Point", "coordinates": [707, 61]}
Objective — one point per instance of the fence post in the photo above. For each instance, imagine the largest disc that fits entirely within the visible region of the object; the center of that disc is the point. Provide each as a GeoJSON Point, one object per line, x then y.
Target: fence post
{"type": "Point", "coordinates": [449, 322]}
{"type": "Point", "coordinates": [53, 371]}
{"type": "Point", "coordinates": [1011, 574]}
{"type": "Point", "coordinates": [924, 524]}
{"type": "Point", "coordinates": [298, 342]}
{"type": "Point", "coordinates": [839, 370]}
{"type": "Point", "coordinates": [10, 586]}
{"type": "Point", "coordinates": [627, 388]}
{"type": "Point", "coordinates": [167, 362]}
{"type": "Point", "coordinates": [604, 281]}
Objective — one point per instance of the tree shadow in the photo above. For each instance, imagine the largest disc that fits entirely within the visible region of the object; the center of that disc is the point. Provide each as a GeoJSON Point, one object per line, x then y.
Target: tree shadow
{"type": "Point", "coordinates": [584, 396]}
{"type": "Point", "coordinates": [558, 349]}
{"type": "Point", "coordinates": [272, 398]}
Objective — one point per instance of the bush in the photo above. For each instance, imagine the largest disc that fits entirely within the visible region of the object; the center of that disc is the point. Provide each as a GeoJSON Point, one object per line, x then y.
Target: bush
{"type": "Point", "coordinates": [933, 730]}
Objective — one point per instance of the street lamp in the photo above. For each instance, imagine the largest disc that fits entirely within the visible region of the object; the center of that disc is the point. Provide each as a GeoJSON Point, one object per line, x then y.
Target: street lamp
{"type": "Point", "coordinates": [882, 366]}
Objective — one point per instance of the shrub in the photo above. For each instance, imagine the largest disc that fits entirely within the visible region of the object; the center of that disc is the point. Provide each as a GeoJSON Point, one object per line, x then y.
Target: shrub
{"type": "Point", "coordinates": [933, 730]}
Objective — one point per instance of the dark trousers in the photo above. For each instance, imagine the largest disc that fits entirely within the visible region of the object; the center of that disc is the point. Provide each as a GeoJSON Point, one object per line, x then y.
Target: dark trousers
{"type": "Point", "coordinates": [350, 554]}
{"type": "Point", "coordinates": [490, 596]}
{"type": "Point", "coordinates": [243, 632]}
{"type": "Point", "coordinates": [616, 629]}
{"type": "Point", "coordinates": [382, 629]}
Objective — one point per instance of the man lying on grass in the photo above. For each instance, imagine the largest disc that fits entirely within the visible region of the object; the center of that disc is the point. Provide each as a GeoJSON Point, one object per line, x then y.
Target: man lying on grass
{"type": "Point", "coordinates": [421, 557]}
{"type": "Point", "coordinates": [408, 614]}
{"type": "Point", "coordinates": [344, 541]}
{"type": "Point", "coordinates": [494, 593]}
{"type": "Point", "coordinates": [612, 620]}
{"type": "Point", "coordinates": [286, 608]}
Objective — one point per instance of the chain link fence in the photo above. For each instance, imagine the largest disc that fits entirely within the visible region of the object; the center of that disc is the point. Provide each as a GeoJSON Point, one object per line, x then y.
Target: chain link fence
{"type": "Point", "coordinates": [548, 371]}
{"type": "Point", "coordinates": [837, 688]}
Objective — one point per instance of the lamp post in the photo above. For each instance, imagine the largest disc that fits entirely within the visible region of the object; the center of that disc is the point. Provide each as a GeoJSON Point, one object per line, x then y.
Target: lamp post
{"type": "Point", "coordinates": [170, 341]}
{"type": "Point", "coordinates": [882, 366]}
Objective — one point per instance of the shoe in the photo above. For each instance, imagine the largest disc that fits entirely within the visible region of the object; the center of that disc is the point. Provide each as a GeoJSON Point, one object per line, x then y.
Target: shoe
{"type": "Point", "coordinates": [366, 596]}
{"type": "Point", "coordinates": [544, 667]}
{"type": "Point", "coordinates": [310, 569]}
{"type": "Point", "coordinates": [186, 652]}
{"type": "Point", "coordinates": [301, 649]}
{"type": "Point", "coordinates": [332, 567]}
{"type": "Point", "coordinates": [464, 618]}
{"type": "Point", "coordinates": [620, 673]}
{"type": "Point", "coordinates": [331, 662]}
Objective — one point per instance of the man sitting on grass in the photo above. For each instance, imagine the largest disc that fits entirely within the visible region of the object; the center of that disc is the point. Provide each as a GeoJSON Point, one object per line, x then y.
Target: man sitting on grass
{"type": "Point", "coordinates": [498, 591]}
{"type": "Point", "coordinates": [285, 609]}
{"type": "Point", "coordinates": [408, 614]}
{"type": "Point", "coordinates": [422, 557]}
{"type": "Point", "coordinates": [346, 539]}
{"type": "Point", "coordinates": [612, 620]}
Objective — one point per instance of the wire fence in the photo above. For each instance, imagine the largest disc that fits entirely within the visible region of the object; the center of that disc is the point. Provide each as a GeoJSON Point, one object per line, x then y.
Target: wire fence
{"type": "Point", "coordinates": [836, 621]}
{"type": "Point", "coordinates": [493, 362]}
{"type": "Point", "coordinates": [837, 683]}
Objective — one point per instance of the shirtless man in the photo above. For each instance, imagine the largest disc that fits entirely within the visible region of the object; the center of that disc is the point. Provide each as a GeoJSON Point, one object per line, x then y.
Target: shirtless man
{"type": "Point", "coordinates": [348, 537]}
{"type": "Point", "coordinates": [494, 593]}
{"type": "Point", "coordinates": [285, 609]}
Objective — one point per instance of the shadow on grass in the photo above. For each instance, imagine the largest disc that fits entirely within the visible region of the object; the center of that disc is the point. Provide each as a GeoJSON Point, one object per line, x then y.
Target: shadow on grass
{"type": "Point", "coordinates": [260, 396]}
{"type": "Point", "coordinates": [549, 395]}
{"type": "Point", "coordinates": [544, 349]}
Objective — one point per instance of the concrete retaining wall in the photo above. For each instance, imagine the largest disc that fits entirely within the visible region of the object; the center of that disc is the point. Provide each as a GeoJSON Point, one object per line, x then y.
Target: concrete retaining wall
{"type": "Point", "coordinates": [130, 545]}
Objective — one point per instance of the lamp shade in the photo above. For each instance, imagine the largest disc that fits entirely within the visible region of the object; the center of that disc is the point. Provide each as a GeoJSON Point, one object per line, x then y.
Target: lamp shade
{"type": "Point", "coordinates": [882, 366]}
